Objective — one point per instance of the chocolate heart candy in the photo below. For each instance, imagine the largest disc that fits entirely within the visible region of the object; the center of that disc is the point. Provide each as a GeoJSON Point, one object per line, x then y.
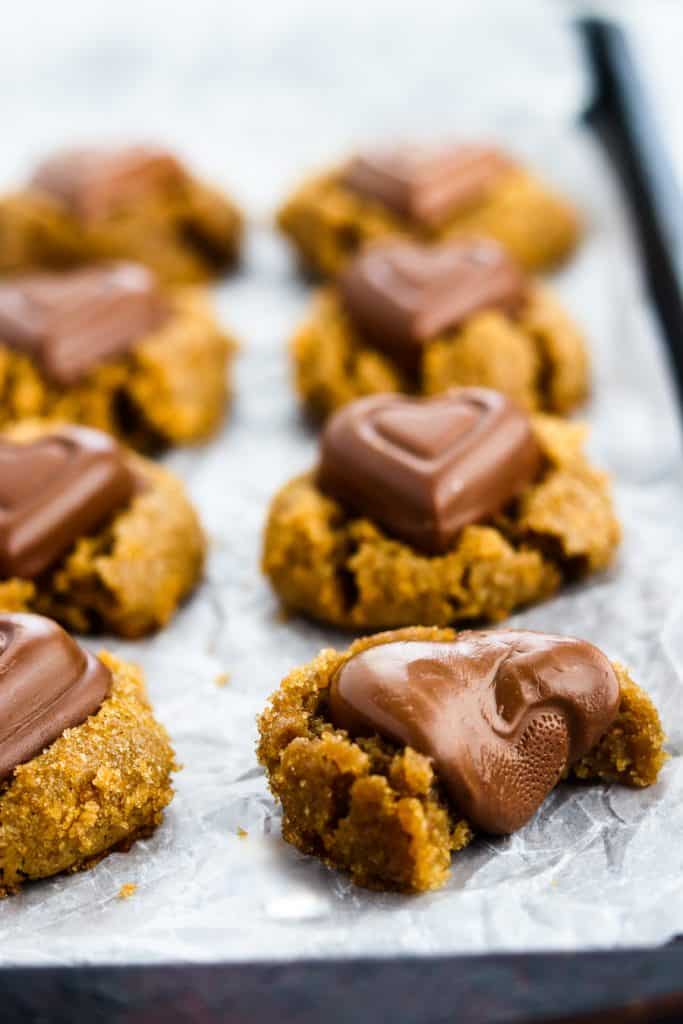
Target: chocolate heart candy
{"type": "Point", "coordinates": [47, 684]}
{"type": "Point", "coordinates": [93, 181]}
{"type": "Point", "coordinates": [502, 713]}
{"type": "Point", "coordinates": [53, 491]}
{"type": "Point", "coordinates": [400, 294]}
{"type": "Point", "coordinates": [71, 322]}
{"type": "Point", "coordinates": [424, 468]}
{"type": "Point", "coordinates": [423, 183]}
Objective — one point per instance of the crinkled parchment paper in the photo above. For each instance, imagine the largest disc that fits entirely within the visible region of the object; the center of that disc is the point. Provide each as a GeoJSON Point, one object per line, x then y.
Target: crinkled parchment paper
{"type": "Point", "coordinates": [597, 866]}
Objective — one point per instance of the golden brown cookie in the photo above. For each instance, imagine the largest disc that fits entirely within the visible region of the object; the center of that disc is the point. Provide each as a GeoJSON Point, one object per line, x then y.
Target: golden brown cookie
{"type": "Point", "coordinates": [332, 214]}
{"type": "Point", "coordinates": [128, 572]}
{"type": "Point", "coordinates": [339, 566]}
{"type": "Point", "coordinates": [538, 357]}
{"type": "Point", "coordinates": [136, 203]}
{"type": "Point", "coordinates": [96, 787]}
{"type": "Point", "coordinates": [377, 808]}
{"type": "Point", "coordinates": [160, 378]}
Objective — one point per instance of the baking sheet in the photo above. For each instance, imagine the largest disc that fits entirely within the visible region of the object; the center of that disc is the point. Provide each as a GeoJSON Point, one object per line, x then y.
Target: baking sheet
{"type": "Point", "coordinates": [597, 866]}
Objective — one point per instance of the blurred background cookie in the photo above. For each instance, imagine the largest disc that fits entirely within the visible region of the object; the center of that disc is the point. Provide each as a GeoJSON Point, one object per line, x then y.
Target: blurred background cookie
{"type": "Point", "coordinates": [406, 316]}
{"type": "Point", "coordinates": [428, 192]}
{"type": "Point", "coordinates": [131, 202]}
{"type": "Point", "coordinates": [107, 346]}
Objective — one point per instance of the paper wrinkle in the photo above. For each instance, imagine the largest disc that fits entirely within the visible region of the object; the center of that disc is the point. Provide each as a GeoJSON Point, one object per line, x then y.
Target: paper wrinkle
{"type": "Point", "coordinates": [598, 866]}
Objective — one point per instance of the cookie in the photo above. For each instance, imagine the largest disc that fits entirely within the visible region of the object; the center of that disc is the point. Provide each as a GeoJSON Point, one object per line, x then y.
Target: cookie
{"type": "Point", "coordinates": [90, 534]}
{"type": "Point", "coordinates": [131, 203]}
{"type": "Point", "coordinates": [405, 316]}
{"type": "Point", "coordinates": [107, 347]}
{"type": "Point", "coordinates": [460, 507]}
{"type": "Point", "coordinates": [428, 193]}
{"type": "Point", "coordinates": [391, 756]}
{"type": "Point", "coordinates": [85, 769]}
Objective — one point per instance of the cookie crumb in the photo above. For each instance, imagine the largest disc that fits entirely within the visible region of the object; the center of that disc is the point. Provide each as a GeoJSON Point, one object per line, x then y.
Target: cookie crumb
{"type": "Point", "coordinates": [222, 679]}
{"type": "Point", "coordinates": [127, 890]}
{"type": "Point", "coordinates": [242, 832]}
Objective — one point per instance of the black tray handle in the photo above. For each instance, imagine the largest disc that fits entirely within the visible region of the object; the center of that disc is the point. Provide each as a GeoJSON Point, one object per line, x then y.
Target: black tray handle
{"type": "Point", "coordinates": [623, 118]}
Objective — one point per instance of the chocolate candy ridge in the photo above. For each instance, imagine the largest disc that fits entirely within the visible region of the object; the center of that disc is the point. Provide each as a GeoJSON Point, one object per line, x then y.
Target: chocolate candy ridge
{"type": "Point", "coordinates": [425, 468]}
{"type": "Point", "coordinates": [71, 322]}
{"type": "Point", "coordinates": [55, 490]}
{"type": "Point", "coordinates": [92, 181]}
{"type": "Point", "coordinates": [400, 294]}
{"type": "Point", "coordinates": [47, 684]}
{"type": "Point", "coordinates": [502, 713]}
{"type": "Point", "coordinates": [426, 184]}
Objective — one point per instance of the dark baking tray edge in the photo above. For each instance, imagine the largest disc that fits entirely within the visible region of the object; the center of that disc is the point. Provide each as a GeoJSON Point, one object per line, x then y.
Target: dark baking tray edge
{"type": "Point", "coordinates": [624, 986]}
{"type": "Point", "coordinates": [631, 986]}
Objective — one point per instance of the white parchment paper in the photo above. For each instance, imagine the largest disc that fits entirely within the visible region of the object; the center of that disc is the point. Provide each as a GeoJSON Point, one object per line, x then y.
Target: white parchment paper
{"type": "Point", "coordinates": [598, 866]}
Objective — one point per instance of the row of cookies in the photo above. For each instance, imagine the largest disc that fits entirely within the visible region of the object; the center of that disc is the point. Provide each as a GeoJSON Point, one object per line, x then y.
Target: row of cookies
{"type": "Point", "coordinates": [141, 203]}
{"type": "Point", "coordinates": [150, 364]}
{"type": "Point", "coordinates": [388, 757]}
{"type": "Point", "coordinates": [459, 507]}
{"type": "Point", "coordinates": [93, 535]}
{"type": "Point", "coordinates": [391, 756]}
{"type": "Point", "coordinates": [394, 754]}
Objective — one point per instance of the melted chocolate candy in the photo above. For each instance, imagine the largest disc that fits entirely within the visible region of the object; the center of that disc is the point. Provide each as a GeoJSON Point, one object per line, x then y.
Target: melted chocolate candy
{"type": "Point", "coordinates": [400, 294]}
{"type": "Point", "coordinates": [426, 184]}
{"type": "Point", "coordinates": [502, 713]}
{"type": "Point", "coordinates": [72, 322]}
{"type": "Point", "coordinates": [92, 182]}
{"type": "Point", "coordinates": [47, 684]}
{"type": "Point", "coordinates": [424, 468]}
{"type": "Point", "coordinates": [55, 490]}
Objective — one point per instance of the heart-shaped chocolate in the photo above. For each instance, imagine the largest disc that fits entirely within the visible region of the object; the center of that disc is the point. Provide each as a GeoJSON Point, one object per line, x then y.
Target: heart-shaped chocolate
{"type": "Point", "coordinates": [71, 322]}
{"type": "Point", "coordinates": [502, 713]}
{"type": "Point", "coordinates": [424, 430]}
{"type": "Point", "coordinates": [55, 490]}
{"type": "Point", "coordinates": [426, 184]}
{"type": "Point", "coordinates": [399, 294]}
{"type": "Point", "coordinates": [47, 684]}
{"type": "Point", "coordinates": [424, 468]}
{"type": "Point", "coordinates": [92, 182]}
